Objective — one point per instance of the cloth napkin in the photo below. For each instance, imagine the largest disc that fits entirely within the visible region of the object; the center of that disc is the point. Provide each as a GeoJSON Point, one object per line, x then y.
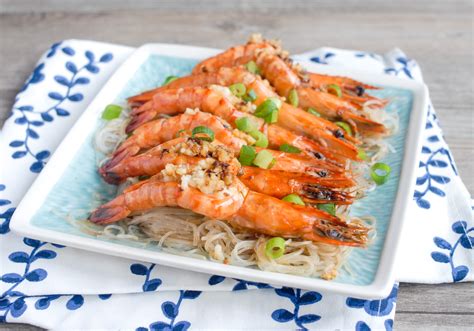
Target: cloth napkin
{"type": "Point", "coordinates": [53, 286]}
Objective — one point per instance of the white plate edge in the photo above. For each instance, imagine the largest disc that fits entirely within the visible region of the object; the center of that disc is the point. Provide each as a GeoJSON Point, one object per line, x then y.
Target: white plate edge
{"type": "Point", "coordinates": [377, 289]}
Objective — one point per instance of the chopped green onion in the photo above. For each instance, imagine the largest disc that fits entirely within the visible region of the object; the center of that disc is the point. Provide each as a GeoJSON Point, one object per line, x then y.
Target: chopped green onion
{"type": "Point", "coordinates": [274, 161]}
{"type": "Point", "coordinates": [252, 67]}
{"type": "Point", "coordinates": [203, 133]}
{"type": "Point", "coordinates": [238, 89]}
{"type": "Point", "coordinates": [268, 110]}
{"type": "Point", "coordinates": [265, 108]}
{"type": "Point", "coordinates": [329, 208]}
{"type": "Point", "coordinates": [276, 101]}
{"type": "Point", "coordinates": [313, 111]}
{"type": "Point", "coordinates": [247, 155]}
{"type": "Point", "coordinates": [362, 154]}
{"type": "Point", "coordinates": [246, 124]}
{"type": "Point", "coordinates": [111, 112]}
{"type": "Point", "coordinates": [263, 159]}
{"type": "Point", "coordinates": [287, 148]}
{"type": "Point", "coordinates": [334, 89]}
{"type": "Point", "coordinates": [272, 117]}
{"type": "Point", "coordinates": [293, 98]}
{"type": "Point", "coordinates": [294, 198]}
{"type": "Point", "coordinates": [275, 248]}
{"type": "Point", "coordinates": [261, 139]}
{"type": "Point", "coordinates": [380, 173]}
{"type": "Point", "coordinates": [345, 126]}
{"type": "Point", "coordinates": [169, 79]}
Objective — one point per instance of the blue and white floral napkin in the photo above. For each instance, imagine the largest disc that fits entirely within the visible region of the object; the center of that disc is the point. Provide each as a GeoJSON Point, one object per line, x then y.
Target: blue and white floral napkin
{"type": "Point", "coordinates": [59, 287]}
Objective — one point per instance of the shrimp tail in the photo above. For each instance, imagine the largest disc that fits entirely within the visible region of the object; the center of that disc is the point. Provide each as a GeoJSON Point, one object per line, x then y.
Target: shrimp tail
{"type": "Point", "coordinates": [139, 119]}
{"type": "Point", "coordinates": [121, 154]}
{"type": "Point", "coordinates": [110, 212]}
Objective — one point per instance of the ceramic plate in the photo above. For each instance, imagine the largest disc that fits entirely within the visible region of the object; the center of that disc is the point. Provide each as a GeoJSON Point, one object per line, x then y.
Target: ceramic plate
{"type": "Point", "coordinates": [64, 190]}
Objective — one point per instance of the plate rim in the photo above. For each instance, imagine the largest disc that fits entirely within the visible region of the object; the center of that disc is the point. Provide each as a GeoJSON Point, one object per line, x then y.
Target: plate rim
{"type": "Point", "coordinates": [61, 158]}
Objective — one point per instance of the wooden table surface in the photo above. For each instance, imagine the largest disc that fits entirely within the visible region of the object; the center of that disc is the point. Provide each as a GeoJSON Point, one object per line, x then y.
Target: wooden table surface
{"type": "Point", "coordinates": [437, 33]}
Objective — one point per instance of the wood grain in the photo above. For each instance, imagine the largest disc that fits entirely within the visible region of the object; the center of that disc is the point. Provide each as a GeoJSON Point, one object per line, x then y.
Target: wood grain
{"type": "Point", "coordinates": [438, 34]}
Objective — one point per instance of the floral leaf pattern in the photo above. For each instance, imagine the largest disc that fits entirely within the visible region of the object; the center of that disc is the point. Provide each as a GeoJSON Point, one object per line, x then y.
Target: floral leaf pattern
{"type": "Point", "coordinates": [30, 118]}
{"type": "Point", "coordinates": [377, 308]}
{"type": "Point", "coordinates": [403, 65]}
{"type": "Point", "coordinates": [169, 309]}
{"type": "Point", "coordinates": [433, 166]}
{"type": "Point", "coordinates": [13, 302]}
{"type": "Point", "coordinates": [323, 59]}
{"type": "Point", "coordinates": [298, 299]}
{"type": "Point", "coordinates": [465, 240]}
{"type": "Point", "coordinates": [149, 285]}
{"type": "Point", "coordinates": [6, 215]}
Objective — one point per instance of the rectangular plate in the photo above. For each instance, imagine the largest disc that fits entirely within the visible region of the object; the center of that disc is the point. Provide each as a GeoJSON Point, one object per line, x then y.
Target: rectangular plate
{"type": "Point", "coordinates": [64, 189]}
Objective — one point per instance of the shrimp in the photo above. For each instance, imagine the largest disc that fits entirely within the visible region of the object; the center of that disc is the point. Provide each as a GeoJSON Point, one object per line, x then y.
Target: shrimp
{"type": "Point", "coordinates": [236, 55]}
{"type": "Point", "coordinates": [275, 183]}
{"type": "Point", "coordinates": [182, 150]}
{"type": "Point", "coordinates": [216, 100]}
{"type": "Point", "coordinates": [290, 117]}
{"type": "Point", "coordinates": [279, 71]}
{"type": "Point", "coordinates": [282, 183]}
{"type": "Point", "coordinates": [157, 193]}
{"type": "Point", "coordinates": [186, 150]}
{"type": "Point", "coordinates": [164, 129]}
{"type": "Point", "coordinates": [239, 206]}
{"type": "Point", "coordinates": [352, 90]}
{"type": "Point", "coordinates": [334, 108]}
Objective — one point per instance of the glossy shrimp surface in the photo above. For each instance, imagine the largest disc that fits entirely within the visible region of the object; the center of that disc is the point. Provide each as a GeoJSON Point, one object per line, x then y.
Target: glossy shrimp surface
{"type": "Point", "coordinates": [161, 130]}
{"type": "Point", "coordinates": [277, 69]}
{"type": "Point", "coordinates": [282, 183]}
{"type": "Point", "coordinates": [157, 193]}
{"type": "Point", "coordinates": [218, 102]}
{"type": "Point", "coordinates": [242, 208]}
{"type": "Point", "coordinates": [290, 117]}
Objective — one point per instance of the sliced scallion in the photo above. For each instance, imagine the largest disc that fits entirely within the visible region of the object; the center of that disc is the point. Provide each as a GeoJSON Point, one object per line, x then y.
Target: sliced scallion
{"type": "Point", "coordinates": [246, 124]}
{"type": "Point", "coordinates": [238, 89]}
{"type": "Point", "coordinates": [362, 154]}
{"type": "Point", "coordinates": [268, 110]}
{"type": "Point", "coordinates": [329, 208]}
{"type": "Point", "coordinates": [380, 173]}
{"type": "Point", "coordinates": [247, 155]}
{"type": "Point", "coordinates": [203, 133]}
{"type": "Point", "coordinates": [111, 112]}
{"type": "Point", "coordinates": [169, 79]}
{"type": "Point", "coordinates": [334, 89]}
{"type": "Point", "coordinates": [263, 159]}
{"type": "Point", "coordinates": [275, 247]}
{"type": "Point", "coordinates": [252, 67]}
{"type": "Point", "coordinates": [293, 98]}
{"type": "Point", "coordinates": [313, 111]}
{"type": "Point", "coordinates": [261, 139]}
{"type": "Point", "coordinates": [287, 148]}
{"type": "Point", "coordinates": [294, 198]}
{"type": "Point", "coordinates": [345, 126]}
